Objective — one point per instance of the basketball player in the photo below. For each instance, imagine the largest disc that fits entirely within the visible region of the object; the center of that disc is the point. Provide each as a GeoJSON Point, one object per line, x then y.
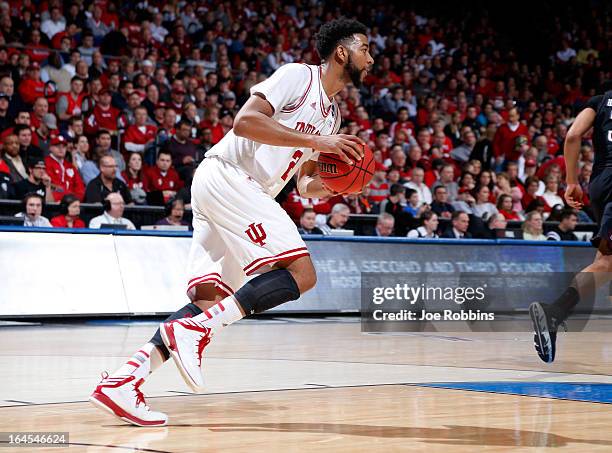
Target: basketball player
{"type": "Point", "coordinates": [247, 256]}
{"type": "Point", "coordinates": [546, 318]}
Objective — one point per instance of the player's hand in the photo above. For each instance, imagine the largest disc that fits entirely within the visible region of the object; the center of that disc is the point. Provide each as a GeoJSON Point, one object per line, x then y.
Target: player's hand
{"type": "Point", "coordinates": [574, 196]}
{"type": "Point", "coordinates": [348, 147]}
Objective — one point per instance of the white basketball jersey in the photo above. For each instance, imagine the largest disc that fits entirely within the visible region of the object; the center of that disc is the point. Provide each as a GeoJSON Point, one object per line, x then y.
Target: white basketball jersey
{"type": "Point", "coordinates": [296, 93]}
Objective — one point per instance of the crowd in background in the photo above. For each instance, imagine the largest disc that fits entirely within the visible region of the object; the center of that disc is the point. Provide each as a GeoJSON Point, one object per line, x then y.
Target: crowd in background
{"type": "Point", "coordinates": [126, 98]}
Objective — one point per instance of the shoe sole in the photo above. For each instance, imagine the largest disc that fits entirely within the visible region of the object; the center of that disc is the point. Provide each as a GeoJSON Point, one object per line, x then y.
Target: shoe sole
{"type": "Point", "coordinates": [170, 342]}
{"type": "Point", "coordinates": [540, 327]}
{"type": "Point", "coordinates": [103, 402]}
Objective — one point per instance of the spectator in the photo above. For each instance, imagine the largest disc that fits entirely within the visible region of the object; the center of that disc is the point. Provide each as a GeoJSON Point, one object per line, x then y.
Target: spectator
{"type": "Point", "coordinates": [38, 181]}
{"type": "Point", "coordinates": [98, 28]}
{"type": "Point", "coordinates": [56, 23]}
{"type": "Point", "coordinates": [32, 87]}
{"type": "Point", "coordinates": [12, 158]}
{"type": "Point", "coordinates": [162, 177]}
{"type": "Point", "coordinates": [440, 204]}
{"type": "Point", "coordinates": [384, 225]}
{"type": "Point", "coordinates": [533, 189]}
{"type": "Point", "coordinates": [26, 149]}
{"type": "Point", "coordinates": [5, 181]}
{"type": "Point", "coordinates": [32, 215]}
{"type": "Point", "coordinates": [65, 178]}
{"type": "Point", "coordinates": [75, 128]}
{"type": "Point", "coordinates": [566, 53]}
{"type": "Point", "coordinates": [134, 178]}
{"type": "Point", "coordinates": [113, 213]}
{"type": "Point", "coordinates": [175, 210]}
{"type": "Point", "coordinates": [447, 179]}
{"type": "Point", "coordinates": [505, 137]}
{"type": "Point", "coordinates": [532, 227]}
{"type": "Point", "coordinates": [394, 205]}
{"type": "Point", "coordinates": [413, 207]}
{"type": "Point", "coordinates": [483, 149]}
{"type": "Point", "coordinates": [496, 226]}
{"type": "Point", "coordinates": [308, 222]}
{"type": "Point", "coordinates": [106, 182]}
{"type": "Point", "coordinates": [458, 229]}
{"type": "Point", "coordinates": [551, 194]}
{"type": "Point", "coordinates": [79, 151]}
{"type": "Point", "coordinates": [6, 119]}
{"type": "Point", "coordinates": [463, 152]}
{"type": "Point", "coordinates": [7, 86]}
{"type": "Point", "coordinates": [503, 185]}
{"type": "Point", "coordinates": [416, 183]}
{"type": "Point", "coordinates": [140, 135]}
{"type": "Point", "coordinates": [564, 231]}
{"type": "Point", "coordinates": [505, 208]}
{"type": "Point", "coordinates": [182, 149]}
{"type": "Point", "coordinates": [379, 187]}
{"type": "Point", "coordinates": [104, 143]}
{"type": "Point", "coordinates": [70, 209]}
{"type": "Point", "coordinates": [340, 214]}
{"type": "Point", "coordinates": [482, 207]}
{"type": "Point", "coordinates": [104, 116]}
{"type": "Point", "coordinates": [72, 103]}
{"type": "Point", "coordinates": [428, 229]}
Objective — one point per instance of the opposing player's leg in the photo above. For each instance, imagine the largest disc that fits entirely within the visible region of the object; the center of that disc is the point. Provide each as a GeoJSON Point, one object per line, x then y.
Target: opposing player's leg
{"type": "Point", "coordinates": [546, 318]}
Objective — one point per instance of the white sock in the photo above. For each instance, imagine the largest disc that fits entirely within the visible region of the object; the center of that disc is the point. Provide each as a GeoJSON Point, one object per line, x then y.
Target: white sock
{"type": "Point", "coordinates": [223, 313]}
{"type": "Point", "coordinates": [146, 360]}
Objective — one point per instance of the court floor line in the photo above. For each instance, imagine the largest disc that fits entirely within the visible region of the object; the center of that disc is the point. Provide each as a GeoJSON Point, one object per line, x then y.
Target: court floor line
{"type": "Point", "coordinates": [345, 361]}
{"type": "Point", "coordinates": [412, 364]}
{"type": "Point", "coordinates": [319, 387]}
{"type": "Point", "coordinates": [440, 386]}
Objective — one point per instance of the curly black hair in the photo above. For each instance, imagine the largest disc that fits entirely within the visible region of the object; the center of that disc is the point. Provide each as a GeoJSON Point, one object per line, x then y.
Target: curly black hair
{"type": "Point", "coordinates": [331, 33]}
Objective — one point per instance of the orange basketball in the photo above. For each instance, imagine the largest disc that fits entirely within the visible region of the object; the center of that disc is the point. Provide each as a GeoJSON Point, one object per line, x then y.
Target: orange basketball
{"type": "Point", "coordinates": [344, 178]}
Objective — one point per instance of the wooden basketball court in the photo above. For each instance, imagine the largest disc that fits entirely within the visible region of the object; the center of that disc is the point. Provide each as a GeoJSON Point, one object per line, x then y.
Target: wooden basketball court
{"type": "Point", "coordinates": [297, 385]}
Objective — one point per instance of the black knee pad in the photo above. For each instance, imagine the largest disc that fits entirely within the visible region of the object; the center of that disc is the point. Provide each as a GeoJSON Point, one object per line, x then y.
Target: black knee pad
{"type": "Point", "coordinates": [267, 291]}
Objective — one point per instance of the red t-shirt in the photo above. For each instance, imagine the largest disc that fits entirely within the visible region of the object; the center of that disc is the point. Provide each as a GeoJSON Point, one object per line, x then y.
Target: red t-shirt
{"type": "Point", "coordinates": [61, 222]}
{"type": "Point", "coordinates": [504, 142]}
{"type": "Point", "coordinates": [66, 179]}
{"type": "Point", "coordinates": [155, 180]}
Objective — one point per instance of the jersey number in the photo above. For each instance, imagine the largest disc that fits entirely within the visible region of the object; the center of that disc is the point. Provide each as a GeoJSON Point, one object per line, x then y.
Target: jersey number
{"type": "Point", "coordinates": [297, 155]}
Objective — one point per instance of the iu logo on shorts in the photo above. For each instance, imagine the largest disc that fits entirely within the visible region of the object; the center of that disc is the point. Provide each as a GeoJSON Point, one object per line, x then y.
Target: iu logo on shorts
{"type": "Point", "coordinates": [256, 234]}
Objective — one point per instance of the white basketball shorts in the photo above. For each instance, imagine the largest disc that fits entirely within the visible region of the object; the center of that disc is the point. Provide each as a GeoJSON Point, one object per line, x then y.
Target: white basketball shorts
{"type": "Point", "coordinates": [239, 230]}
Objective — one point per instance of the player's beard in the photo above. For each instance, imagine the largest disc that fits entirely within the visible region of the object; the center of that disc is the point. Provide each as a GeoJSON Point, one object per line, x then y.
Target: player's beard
{"type": "Point", "coordinates": [353, 72]}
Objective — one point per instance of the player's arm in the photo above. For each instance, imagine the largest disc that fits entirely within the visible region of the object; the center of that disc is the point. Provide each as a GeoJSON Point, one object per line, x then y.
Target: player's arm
{"type": "Point", "coordinates": [309, 184]}
{"type": "Point", "coordinates": [580, 126]}
{"type": "Point", "coordinates": [255, 123]}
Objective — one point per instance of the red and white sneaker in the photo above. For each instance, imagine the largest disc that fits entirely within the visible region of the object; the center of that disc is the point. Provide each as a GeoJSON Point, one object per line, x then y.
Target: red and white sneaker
{"type": "Point", "coordinates": [186, 340]}
{"type": "Point", "coordinates": [121, 396]}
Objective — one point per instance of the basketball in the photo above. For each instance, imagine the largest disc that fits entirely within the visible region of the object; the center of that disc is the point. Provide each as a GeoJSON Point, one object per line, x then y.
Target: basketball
{"type": "Point", "coordinates": [346, 178]}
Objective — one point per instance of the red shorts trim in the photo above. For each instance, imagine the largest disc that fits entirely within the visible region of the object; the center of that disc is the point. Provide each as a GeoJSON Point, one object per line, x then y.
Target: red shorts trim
{"type": "Point", "coordinates": [259, 262]}
{"type": "Point", "coordinates": [208, 278]}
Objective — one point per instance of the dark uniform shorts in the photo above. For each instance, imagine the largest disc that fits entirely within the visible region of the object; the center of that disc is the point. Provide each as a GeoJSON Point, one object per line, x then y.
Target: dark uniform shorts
{"type": "Point", "coordinates": [600, 194]}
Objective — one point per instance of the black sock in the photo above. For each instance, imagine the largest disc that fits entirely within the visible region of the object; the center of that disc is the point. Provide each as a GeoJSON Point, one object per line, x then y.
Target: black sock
{"type": "Point", "coordinates": [567, 301]}
{"type": "Point", "coordinates": [187, 311]}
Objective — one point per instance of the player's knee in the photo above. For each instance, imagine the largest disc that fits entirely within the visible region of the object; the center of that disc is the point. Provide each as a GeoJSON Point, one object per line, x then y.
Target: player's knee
{"type": "Point", "coordinates": [303, 272]}
{"type": "Point", "coordinates": [306, 280]}
{"type": "Point", "coordinates": [606, 262]}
